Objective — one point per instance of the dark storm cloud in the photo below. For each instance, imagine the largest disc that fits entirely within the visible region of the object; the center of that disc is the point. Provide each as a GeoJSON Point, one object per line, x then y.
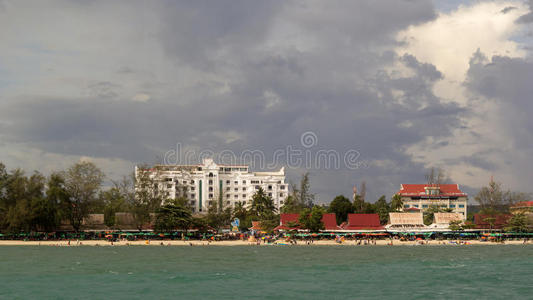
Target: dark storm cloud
{"type": "Point", "coordinates": [332, 77]}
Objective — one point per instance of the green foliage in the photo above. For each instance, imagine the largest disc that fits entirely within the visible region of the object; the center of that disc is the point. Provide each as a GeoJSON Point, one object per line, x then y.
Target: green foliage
{"type": "Point", "coordinates": [518, 223]}
{"type": "Point", "coordinates": [173, 215]}
{"type": "Point", "coordinates": [494, 198]}
{"type": "Point", "coordinates": [382, 208]}
{"type": "Point", "coordinates": [113, 201]}
{"type": "Point", "coordinates": [311, 219]}
{"type": "Point", "coordinates": [82, 183]}
{"type": "Point", "coordinates": [341, 206]}
{"type": "Point", "coordinates": [455, 225]}
{"type": "Point", "coordinates": [300, 198]}
{"type": "Point", "coordinates": [147, 198]}
{"type": "Point", "coordinates": [218, 219]}
{"type": "Point", "coordinates": [396, 203]}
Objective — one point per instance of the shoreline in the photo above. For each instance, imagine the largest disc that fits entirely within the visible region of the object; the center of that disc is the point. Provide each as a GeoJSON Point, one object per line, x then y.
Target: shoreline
{"type": "Point", "coordinates": [160, 243]}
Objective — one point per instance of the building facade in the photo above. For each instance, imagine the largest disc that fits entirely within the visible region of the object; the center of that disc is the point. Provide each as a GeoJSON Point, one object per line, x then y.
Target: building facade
{"type": "Point", "coordinates": [210, 183]}
{"type": "Point", "coordinates": [422, 196]}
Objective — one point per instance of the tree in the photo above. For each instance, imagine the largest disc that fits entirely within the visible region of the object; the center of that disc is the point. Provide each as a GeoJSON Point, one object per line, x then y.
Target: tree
{"type": "Point", "coordinates": [491, 221]}
{"type": "Point", "coordinates": [113, 201]}
{"type": "Point", "coordinates": [147, 197]}
{"type": "Point", "coordinates": [82, 182]}
{"type": "Point", "coordinates": [216, 218]}
{"type": "Point", "coordinates": [58, 196]}
{"type": "Point", "coordinates": [435, 177]}
{"type": "Point", "coordinates": [311, 219]}
{"type": "Point", "coordinates": [263, 210]}
{"type": "Point", "coordinates": [492, 198]}
{"type": "Point", "coordinates": [396, 203]}
{"type": "Point", "coordinates": [382, 209]}
{"type": "Point", "coordinates": [306, 198]}
{"type": "Point", "coordinates": [455, 225]}
{"type": "Point", "coordinates": [341, 206]}
{"type": "Point", "coordinates": [262, 204]}
{"type": "Point", "coordinates": [429, 213]}
{"type": "Point", "coordinates": [291, 205]}
{"type": "Point", "coordinates": [173, 215]}
{"type": "Point", "coordinates": [518, 223]}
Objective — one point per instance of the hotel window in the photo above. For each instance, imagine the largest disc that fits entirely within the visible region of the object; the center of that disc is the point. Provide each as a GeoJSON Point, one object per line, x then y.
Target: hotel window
{"type": "Point", "coordinates": [228, 182]}
{"type": "Point", "coordinates": [236, 196]}
{"type": "Point", "coordinates": [193, 203]}
{"type": "Point", "coordinates": [193, 188]}
{"type": "Point", "coordinates": [256, 187]}
{"type": "Point", "coordinates": [193, 196]}
{"type": "Point", "coordinates": [169, 186]}
{"type": "Point", "coordinates": [228, 188]}
{"type": "Point", "coordinates": [281, 187]}
{"type": "Point", "coordinates": [452, 205]}
{"type": "Point", "coordinates": [210, 181]}
{"type": "Point", "coordinates": [193, 209]}
{"type": "Point", "coordinates": [236, 182]}
{"type": "Point", "coordinates": [254, 181]}
{"type": "Point", "coordinates": [184, 181]}
{"type": "Point", "coordinates": [416, 205]}
{"type": "Point", "coordinates": [227, 202]}
{"type": "Point", "coordinates": [244, 189]}
{"type": "Point", "coordinates": [228, 195]}
{"type": "Point", "coordinates": [424, 206]}
{"type": "Point", "coordinates": [210, 203]}
{"type": "Point", "coordinates": [279, 181]}
{"type": "Point", "coordinates": [244, 196]}
{"type": "Point", "coordinates": [281, 194]}
{"type": "Point", "coordinates": [406, 206]}
{"type": "Point", "coordinates": [192, 181]}
{"type": "Point", "coordinates": [210, 196]}
{"type": "Point", "coordinates": [168, 179]}
{"type": "Point", "coordinates": [210, 188]}
{"type": "Point", "coordinates": [270, 194]}
{"type": "Point", "coordinates": [236, 189]}
{"type": "Point", "coordinates": [244, 182]}
{"type": "Point", "coordinates": [461, 206]}
{"type": "Point", "coordinates": [269, 187]}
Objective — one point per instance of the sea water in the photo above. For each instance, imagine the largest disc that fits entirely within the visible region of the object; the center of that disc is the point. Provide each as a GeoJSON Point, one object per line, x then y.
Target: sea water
{"type": "Point", "coordinates": [267, 272]}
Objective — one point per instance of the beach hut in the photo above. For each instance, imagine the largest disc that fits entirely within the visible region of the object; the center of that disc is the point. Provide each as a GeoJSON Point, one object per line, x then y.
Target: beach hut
{"type": "Point", "coordinates": [359, 222]}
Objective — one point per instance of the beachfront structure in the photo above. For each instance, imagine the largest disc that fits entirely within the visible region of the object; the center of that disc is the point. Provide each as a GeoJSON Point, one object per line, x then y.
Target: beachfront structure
{"type": "Point", "coordinates": [405, 221]}
{"type": "Point", "coordinates": [289, 222]}
{"type": "Point", "coordinates": [209, 183]}
{"type": "Point", "coordinates": [442, 220]}
{"type": "Point", "coordinates": [363, 222]}
{"type": "Point", "coordinates": [422, 196]}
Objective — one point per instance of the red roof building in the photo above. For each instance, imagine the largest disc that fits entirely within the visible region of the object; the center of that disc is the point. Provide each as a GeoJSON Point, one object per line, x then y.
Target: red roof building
{"type": "Point", "coordinates": [481, 222]}
{"type": "Point", "coordinates": [422, 196]}
{"type": "Point", "coordinates": [286, 219]}
{"type": "Point", "coordinates": [329, 220]}
{"type": "Point", "coordinates": [363, 222]}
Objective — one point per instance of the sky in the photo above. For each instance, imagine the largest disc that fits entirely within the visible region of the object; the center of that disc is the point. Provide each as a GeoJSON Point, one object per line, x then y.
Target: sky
{"type": "Point", "coordinates": [388, 89]}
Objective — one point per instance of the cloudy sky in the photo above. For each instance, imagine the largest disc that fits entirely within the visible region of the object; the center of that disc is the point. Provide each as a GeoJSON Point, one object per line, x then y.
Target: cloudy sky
{"type": "Point", "coordinates": [408, 85]}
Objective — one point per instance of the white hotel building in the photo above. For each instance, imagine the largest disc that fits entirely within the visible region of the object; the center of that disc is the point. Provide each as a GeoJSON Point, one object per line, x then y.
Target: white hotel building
{"type": "Point", "coordinates": [205, 184]}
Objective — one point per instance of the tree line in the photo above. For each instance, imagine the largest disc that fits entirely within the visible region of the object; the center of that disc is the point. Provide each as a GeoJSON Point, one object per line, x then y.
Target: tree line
{"type": "Point", "coordinates": [42, 203]}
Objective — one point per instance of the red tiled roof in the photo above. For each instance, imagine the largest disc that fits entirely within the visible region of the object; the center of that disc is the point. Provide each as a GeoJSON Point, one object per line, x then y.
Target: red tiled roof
{"type": "Point", "coordinates": [363, 222]}
{"type": "Point", "coordinates": [446, 190]}
{"type": "Point", "coordinates": [286, 218]}
{"type": "Point", "coordinates": [523, 204]}
{"type": "Point", "coordinates": [499, 222]}
{"type": "Point", "coordinates": [330, 222]}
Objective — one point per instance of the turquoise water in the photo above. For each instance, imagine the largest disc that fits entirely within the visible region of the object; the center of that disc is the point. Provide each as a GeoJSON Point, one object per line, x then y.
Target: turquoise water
{"type": "Point", "coordinates": [267, 272]}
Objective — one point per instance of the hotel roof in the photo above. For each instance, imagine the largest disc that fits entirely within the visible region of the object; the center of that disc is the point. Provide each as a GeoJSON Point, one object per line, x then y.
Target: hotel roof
{"type": "Point", "coordinates": [446, 190]}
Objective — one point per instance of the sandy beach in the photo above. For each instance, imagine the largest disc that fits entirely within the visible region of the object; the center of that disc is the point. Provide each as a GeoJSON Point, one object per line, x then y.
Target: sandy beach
{"type": "Point", "coordinates": [74, 243]}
